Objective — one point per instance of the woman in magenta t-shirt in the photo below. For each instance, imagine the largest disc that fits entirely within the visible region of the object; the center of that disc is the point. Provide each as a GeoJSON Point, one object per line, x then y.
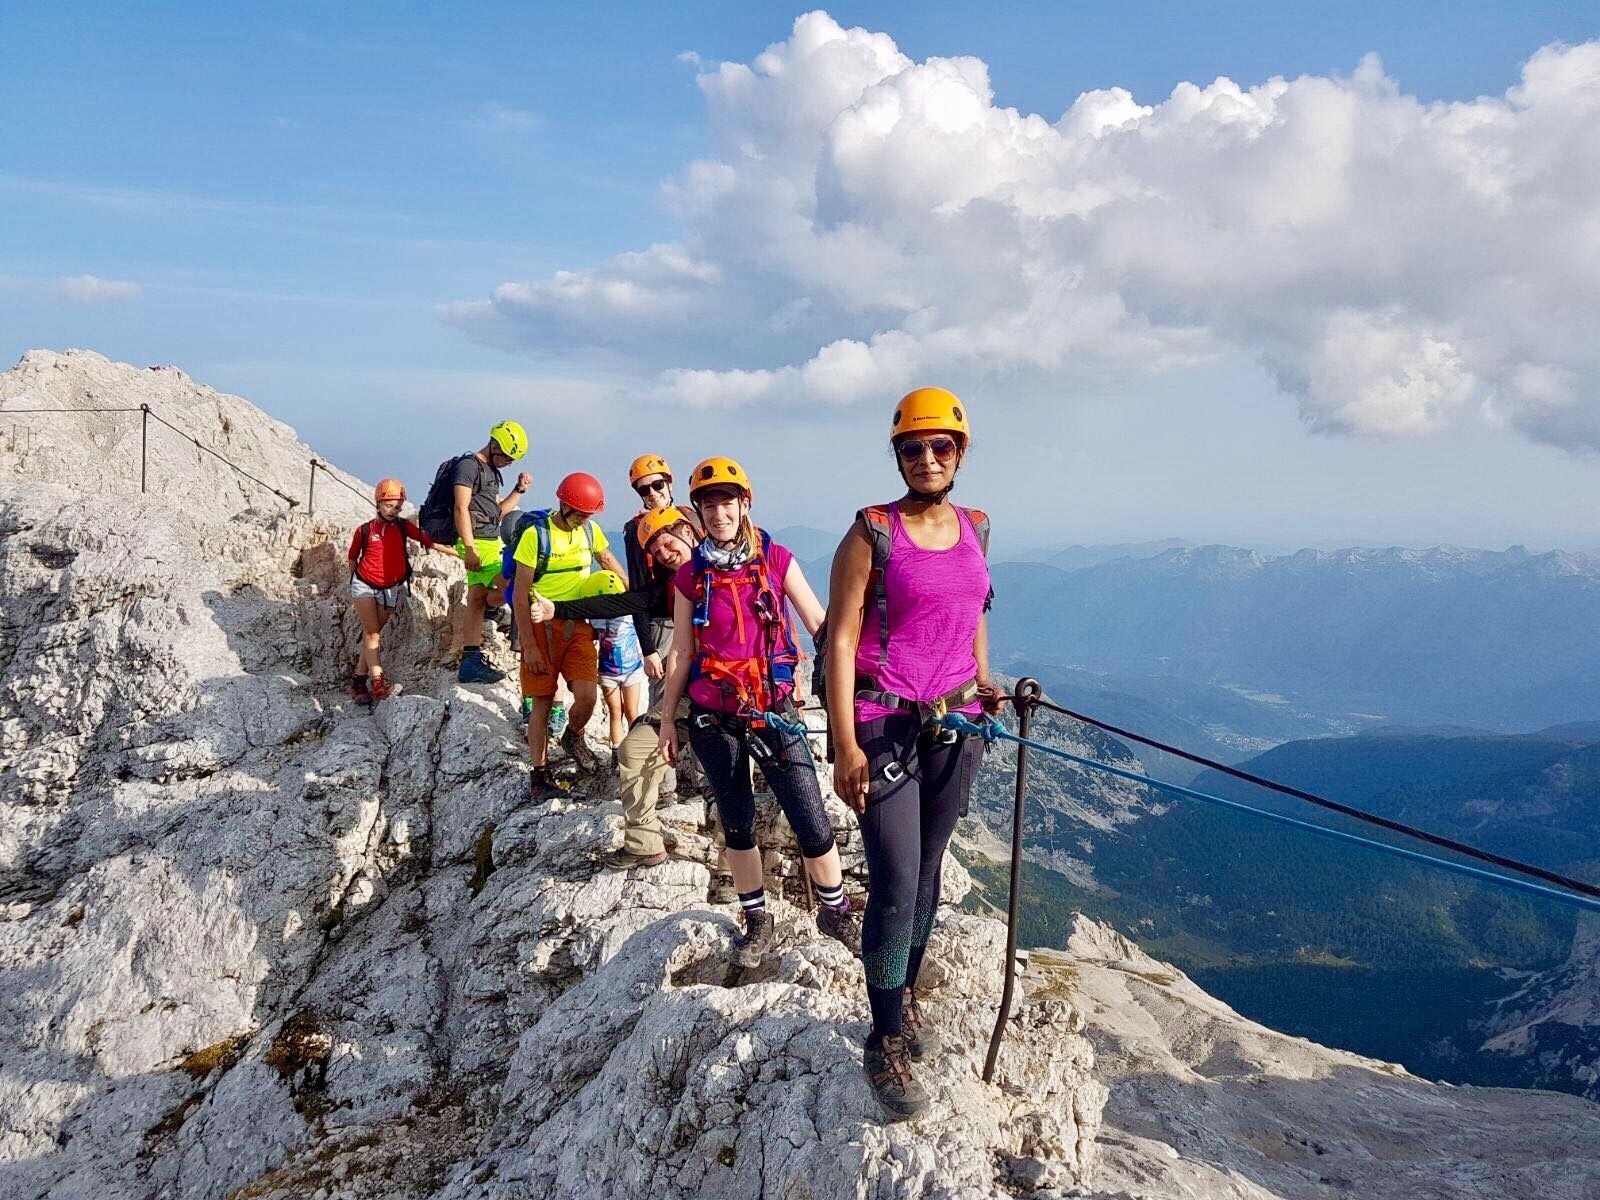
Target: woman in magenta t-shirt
{"type": "Point", "coordinates": [733, 649]}
{"type": "Point", "coordinates": [907, 637]}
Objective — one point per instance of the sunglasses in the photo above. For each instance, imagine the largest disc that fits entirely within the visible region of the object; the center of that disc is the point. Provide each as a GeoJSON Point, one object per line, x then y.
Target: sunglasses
{"type": "Point", "coordinates": [911, 449]}
{"type": "Point", "coordinates": [660, 485]}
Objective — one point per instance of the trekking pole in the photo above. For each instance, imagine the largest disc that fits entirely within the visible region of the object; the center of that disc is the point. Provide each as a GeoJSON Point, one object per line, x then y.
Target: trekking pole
{"type": "Point", "coordinates": [311, 492]}
{"type": "Point", "coordinates": [1023, 698]}
{"type": "Point", "coordinates": [144, 441]}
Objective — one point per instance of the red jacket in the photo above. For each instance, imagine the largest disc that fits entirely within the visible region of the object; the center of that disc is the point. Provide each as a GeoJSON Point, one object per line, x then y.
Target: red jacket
{"type": "Point", "coordinates": [378, 549]}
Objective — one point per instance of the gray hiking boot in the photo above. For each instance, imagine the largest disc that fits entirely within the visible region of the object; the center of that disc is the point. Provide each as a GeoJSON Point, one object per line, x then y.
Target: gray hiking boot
{"type": "Point", "coordinates": [843, 925]}
{"type": "Point", "coordinates": [752, 944]}
{"type": "Point", "coordinates": [922, 1039]}
{"type": "Point", "coordinates": [886, 1062]}
{"type": "Point", "coordinates": [722, 890]}
{"type": "Point", "coordinates": [626, 860]}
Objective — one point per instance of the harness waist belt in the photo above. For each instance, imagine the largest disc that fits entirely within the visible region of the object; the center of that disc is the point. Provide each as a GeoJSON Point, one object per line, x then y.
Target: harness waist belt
{"type": "Point", "coordinates": [867, 690]}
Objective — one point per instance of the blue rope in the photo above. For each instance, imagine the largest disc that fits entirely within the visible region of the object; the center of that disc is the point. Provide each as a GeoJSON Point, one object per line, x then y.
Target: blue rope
{"type": "Point", "coordinates": [989, 731]}
{"type": "Point", "coordinates": [798, 729]}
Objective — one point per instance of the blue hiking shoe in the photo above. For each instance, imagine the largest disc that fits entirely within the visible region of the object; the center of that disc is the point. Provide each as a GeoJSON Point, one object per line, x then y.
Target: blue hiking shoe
{"type": "Point", "coordinates": [527, 708]}
{"type": "Point", "coordinates": [558, 719]}
{"type": "Point", "coordinates": [474, 669]}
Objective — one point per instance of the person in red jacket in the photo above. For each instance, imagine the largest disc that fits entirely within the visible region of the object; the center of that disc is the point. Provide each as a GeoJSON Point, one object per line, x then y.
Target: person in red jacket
{"type": "Point", "coordinates": [380, 568]}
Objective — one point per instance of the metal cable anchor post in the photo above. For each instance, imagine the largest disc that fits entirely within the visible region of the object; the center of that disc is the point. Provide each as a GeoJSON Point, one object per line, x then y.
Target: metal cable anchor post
{"type": "Point", "coordinates": [1024, 697]}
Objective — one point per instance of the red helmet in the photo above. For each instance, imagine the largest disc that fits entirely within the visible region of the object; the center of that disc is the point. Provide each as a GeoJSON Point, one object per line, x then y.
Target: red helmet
{"type": "Point", "coordinates": [582, 491]}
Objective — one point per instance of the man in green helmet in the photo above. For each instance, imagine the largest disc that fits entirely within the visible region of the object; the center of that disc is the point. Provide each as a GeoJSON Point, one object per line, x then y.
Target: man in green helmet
{"type": "Point", "coordinates": [466, 495]}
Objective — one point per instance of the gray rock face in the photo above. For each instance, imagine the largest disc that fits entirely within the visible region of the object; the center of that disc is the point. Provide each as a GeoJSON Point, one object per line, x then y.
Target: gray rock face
{"type": "Point", "coordinates": [259, 943]}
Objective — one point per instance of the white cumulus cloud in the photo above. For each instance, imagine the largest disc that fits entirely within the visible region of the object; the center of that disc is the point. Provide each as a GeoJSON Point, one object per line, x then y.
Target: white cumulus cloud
{"type": "Point", "coordinates": [869, 222]}
{"type": "Point", "coordinates": [87, 289]}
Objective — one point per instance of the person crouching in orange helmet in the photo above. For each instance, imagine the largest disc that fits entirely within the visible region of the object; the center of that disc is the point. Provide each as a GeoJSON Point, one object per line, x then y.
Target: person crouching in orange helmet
{"type": "Point", "coordinates": [379, 570]}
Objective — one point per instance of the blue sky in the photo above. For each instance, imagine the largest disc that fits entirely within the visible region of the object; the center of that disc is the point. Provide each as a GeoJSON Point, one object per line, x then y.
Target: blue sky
{"type": "Point", "coordinates": [295, 190]}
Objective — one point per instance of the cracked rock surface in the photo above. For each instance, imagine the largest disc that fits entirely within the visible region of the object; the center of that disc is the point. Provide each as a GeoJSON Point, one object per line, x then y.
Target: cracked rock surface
{"type": "Point", "coordinates": [257, 942]}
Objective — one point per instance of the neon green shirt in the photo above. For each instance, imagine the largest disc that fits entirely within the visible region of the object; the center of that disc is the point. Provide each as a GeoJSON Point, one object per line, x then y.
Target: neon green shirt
{"type": "Point", "coordinates": [570, 561]}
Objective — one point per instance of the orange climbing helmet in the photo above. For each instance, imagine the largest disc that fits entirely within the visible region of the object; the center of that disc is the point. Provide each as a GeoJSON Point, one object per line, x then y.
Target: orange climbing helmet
{"type": "Point", "coordinates": [930, 408]}
{"type": "Point", "coordinates": [720, 472]}
{"type": "Point", "coordinates": [389, 489]}
{"type": "Point", "coordinates": [648, 464]}
{"type": "Point", "coordinates": [659, 521]}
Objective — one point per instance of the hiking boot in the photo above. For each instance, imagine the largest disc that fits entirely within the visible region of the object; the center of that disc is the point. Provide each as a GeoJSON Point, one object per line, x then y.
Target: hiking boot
{"type": "Point", "coordinates": [578, 750]}
{"type": "Point", "coordinates": [358, 690]}
{"type": "Point", "coordinates": [843, 925]}
{"type": "Point", "coordinates": [475, 669]}
{"type": "Point", "coordinates": [542, 785]}
{"type": "Point", "coordinates": [722, 890]}
{"type": "Point", "coordinates": [527, 708]}
{"type": "Point", "coordinates": [558, 719]}
{"type": "Point", "coordinates": [887, 1065]}
{"type": "Point", "coordinates": [626, 860]}
{"type": "Point", "coordinates": [753, 942]}
{"type": "Point", "coordinates": [922, 1039]}
{"type": "Point", "coordinates": [381, 689]}
{"type": "Point", "coordinates": [667, 795]}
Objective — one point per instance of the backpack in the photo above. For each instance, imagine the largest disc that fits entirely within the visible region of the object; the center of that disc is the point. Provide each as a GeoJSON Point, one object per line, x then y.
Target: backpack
{"type": "Point", "coordinates": [405, 547]}
{"type": "Point", "coordinates": [878, 524]}
{"type": "Point", "coordinates": [437, 517]}
{"type": "Point", "coordinates": [539, 520]}
{"type": "Point", "coordinates": [755, 682]}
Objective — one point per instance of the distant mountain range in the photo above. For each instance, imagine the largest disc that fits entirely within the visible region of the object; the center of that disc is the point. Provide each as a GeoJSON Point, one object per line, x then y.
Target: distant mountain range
{"type": "Point", "coordinates": [1335, 942]}
{"type": "Point", "coordinates": [1247, 649]}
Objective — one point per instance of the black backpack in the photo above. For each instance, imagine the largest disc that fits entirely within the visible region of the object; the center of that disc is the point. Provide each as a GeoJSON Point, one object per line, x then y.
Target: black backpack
{"type": "Point", "coordinates": [437, 518]}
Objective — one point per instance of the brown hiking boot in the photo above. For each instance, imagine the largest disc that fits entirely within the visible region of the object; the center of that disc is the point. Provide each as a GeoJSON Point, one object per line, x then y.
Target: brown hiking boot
{"type": "Point", "coordinates": [578, 750]}
{"type": "Point", "coordinates": [922, 1039]}
{"type": "Point", "coordinates": [887, 1064]}
{"type": "Point", "coordinates": [358, 690]}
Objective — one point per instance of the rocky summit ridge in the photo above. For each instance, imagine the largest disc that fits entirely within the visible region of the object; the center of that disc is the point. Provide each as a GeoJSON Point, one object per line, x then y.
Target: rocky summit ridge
{"type": "Point", "coordinates": [255, 942]}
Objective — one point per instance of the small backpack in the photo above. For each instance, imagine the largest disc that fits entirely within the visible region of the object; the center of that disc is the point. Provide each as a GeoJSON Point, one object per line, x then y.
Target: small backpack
{"type": "Point", "coordinates": [539, 520]}
{"type": "Point", "coordinates": [437, 517]}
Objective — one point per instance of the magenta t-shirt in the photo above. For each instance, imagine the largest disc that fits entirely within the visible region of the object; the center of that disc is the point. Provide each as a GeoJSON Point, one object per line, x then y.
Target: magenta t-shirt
{"type": "Point", "coordinates": [935, 600]}
{"type": "Point", "coordinates": [721, 636]}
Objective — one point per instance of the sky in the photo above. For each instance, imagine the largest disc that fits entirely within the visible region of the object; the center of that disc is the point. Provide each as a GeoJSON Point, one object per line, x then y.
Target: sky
{"type": "Point", "coordinates": [1309, 274]}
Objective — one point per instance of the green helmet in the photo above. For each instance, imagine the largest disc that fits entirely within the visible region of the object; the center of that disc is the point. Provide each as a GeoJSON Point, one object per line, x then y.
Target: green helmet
{"type": "Point", "coordinates": [511, 438]}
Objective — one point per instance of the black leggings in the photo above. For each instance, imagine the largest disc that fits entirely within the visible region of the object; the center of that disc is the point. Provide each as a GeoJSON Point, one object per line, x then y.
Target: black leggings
{"type": "Point", "coordinates": [791, 774]}
{"type": "Point", "coordinates": [904, 832]}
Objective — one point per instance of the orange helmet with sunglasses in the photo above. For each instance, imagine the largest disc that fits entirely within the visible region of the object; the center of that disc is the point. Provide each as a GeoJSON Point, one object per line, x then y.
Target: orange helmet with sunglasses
{"type": "Point", "coordinates": [648, 464]}
{"type": "Point", "coordinates": [928, 410]}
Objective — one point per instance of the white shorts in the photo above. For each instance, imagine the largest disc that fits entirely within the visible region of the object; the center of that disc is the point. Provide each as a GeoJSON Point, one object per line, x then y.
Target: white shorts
{"type": "Point", "coordinates": [389, 597]}
{"type": "Point", "coordinates": [634, 678]}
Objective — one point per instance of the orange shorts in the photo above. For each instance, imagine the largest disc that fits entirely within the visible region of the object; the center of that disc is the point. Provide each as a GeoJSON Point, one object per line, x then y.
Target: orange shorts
{"type": "Point", "coordinates": [569, 651]}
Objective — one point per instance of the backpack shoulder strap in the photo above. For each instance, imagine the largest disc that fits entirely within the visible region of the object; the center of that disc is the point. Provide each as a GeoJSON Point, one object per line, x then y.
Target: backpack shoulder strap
{"type": "Point", "coordinates": [540, 520]}
{"type": "Point", "coordinates": [879, 528]}
{"type": "Point", "coordinates": [980, 526]}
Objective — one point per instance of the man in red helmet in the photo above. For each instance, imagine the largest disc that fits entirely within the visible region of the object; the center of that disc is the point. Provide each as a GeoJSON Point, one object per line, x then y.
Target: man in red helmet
{"type": "Point", "coordinates": [554, 557]}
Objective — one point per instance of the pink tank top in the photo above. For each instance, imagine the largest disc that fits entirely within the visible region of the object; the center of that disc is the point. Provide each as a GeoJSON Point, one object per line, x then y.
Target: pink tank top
{"type": "Point", "coordinates": [935, 603]}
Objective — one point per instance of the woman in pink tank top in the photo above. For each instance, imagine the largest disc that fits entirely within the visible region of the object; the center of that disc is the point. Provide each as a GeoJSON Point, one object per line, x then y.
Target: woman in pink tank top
{"type": "Point", "coordinates": [908, 638]}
